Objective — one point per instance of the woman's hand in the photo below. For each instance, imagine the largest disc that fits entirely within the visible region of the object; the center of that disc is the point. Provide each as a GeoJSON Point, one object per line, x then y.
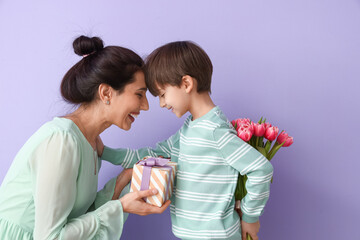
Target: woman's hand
{"type": "Point", "coordinates": [133, 203]}
{"type": "Point", "coordinates": [121, 181]}
{"type": "Point", "coordinates": [99, 146]}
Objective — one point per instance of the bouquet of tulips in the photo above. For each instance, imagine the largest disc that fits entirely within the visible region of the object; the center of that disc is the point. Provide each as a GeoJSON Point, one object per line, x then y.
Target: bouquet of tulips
{"type": "Point", "coordinates": [255, 134]}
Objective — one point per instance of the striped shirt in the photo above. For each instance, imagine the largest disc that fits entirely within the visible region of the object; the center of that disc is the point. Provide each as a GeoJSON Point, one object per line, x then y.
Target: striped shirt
{"type": "Point", "coordinates": [210, 156]}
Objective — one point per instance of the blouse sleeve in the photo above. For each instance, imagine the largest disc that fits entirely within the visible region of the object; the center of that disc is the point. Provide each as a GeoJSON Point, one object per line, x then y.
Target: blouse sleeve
{"type": "Point", "coordinates": [54, 168]}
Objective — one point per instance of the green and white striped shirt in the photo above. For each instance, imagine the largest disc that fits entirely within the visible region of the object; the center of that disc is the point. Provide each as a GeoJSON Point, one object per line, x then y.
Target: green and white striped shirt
{"type": "Point", "coordinates": [209, 156]}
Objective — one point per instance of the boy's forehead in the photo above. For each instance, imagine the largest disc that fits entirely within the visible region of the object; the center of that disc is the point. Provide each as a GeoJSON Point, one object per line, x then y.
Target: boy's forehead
{"type": "Point", "coordinates": [159, 87]}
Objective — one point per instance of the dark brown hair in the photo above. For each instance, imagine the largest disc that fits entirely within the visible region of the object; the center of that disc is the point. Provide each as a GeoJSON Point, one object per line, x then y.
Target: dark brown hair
{"type": "Point", "coordinates": [112, 65]}
{"type": "Point", "coordinates": [169, 63]}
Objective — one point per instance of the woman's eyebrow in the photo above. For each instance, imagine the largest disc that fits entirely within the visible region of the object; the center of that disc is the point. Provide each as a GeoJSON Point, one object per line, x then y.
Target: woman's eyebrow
{"type": "Point", "coordinates": [142, 89]}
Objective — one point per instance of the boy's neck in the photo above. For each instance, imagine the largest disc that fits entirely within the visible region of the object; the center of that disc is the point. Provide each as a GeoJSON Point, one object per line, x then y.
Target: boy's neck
{"type": "Point", "coordinates": [201, 104]}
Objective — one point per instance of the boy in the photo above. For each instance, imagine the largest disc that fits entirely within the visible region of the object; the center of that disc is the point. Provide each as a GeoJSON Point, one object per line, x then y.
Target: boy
{"type": "Point", "coordinates": [208, 152]}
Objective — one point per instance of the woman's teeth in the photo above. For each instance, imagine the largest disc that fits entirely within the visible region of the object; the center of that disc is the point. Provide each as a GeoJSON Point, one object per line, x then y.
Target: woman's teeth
{"type": "Point", "coordinates": [134, 115]}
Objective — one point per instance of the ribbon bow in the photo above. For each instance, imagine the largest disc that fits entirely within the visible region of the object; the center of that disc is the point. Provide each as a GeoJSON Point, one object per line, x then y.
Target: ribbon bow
{"type": "Point", "coordinates": [148, 164]}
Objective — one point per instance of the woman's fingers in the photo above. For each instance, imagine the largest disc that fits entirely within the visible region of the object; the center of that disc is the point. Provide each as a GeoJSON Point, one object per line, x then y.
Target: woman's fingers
{"type": "Point", "coordinates": [133, 203]}
{"type": "Point", "coordinates": [147, 193]}
{"type": "Point", "coordinates": [164, 206]}
{"type": "Point", "coordinates": [155, 209]}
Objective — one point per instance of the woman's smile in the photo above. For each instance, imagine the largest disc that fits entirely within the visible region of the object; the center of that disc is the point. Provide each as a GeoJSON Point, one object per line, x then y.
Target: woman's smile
{"type": "Point", "coordinates": [133, 115]}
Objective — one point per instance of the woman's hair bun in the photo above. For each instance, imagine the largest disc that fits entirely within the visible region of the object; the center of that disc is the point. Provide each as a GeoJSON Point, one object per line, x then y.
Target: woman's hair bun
{"type": "Point", "coordinates": [85, 45]}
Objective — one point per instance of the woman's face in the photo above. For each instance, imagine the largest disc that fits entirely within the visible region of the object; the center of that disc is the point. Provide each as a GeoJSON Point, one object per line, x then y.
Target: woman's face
{"type": "Point", "coordinates": [126, 106]}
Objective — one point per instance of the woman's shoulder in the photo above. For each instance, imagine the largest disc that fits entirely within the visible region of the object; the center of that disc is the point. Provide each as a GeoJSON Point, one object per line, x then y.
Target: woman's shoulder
{"type": "Point", "coordinates": [61, 127]}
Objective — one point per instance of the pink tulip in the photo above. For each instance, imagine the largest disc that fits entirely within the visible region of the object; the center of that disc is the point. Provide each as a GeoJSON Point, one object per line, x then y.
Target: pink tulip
{"type": "Point", "coordinates": [271, 133]}
{"type": "Point", "coordinates": [237, 122]}
{"type": "Point", "coordinates": [284, 137]}
{"type": "Point", "coordinates": [249, 127]}
{"type": "Point", "coordinates": [244, 134]}
{"type": "Point", "coordinates": [241, 121]}
{"type": "Point", "coordinates": [267, 125]}
{"type": "Point", "coordinates": [252, 127]}
{"type": "Point", "coordinates": [259, 129]}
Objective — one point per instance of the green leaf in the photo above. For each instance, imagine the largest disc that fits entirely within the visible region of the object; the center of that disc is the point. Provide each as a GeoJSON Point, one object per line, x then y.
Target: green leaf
{"type": "Point", "coordinates": [261, 150]}
{"type": "Point", "coordinates": [275, 149]}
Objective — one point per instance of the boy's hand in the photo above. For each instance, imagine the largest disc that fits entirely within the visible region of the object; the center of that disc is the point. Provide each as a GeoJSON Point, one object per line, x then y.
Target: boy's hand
{"type": "Point", "coordinates": [121, 181]}
{"type": "Point", "coordinates": [238, 208]}
{"type": "Point", "coordinates": [250, 228]}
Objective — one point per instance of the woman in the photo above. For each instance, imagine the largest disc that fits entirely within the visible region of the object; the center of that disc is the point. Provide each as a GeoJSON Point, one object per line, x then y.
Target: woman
{"type": "Point", "coordinates": [50, 190]}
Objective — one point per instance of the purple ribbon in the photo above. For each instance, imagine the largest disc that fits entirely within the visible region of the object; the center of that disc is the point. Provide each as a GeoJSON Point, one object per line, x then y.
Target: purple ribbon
{"type": "Point", "coordinates": [148, 164]}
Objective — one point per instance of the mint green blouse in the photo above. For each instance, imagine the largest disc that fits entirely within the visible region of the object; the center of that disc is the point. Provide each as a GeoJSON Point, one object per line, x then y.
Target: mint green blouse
{"type": "Point", "coordinates": [50, 190]}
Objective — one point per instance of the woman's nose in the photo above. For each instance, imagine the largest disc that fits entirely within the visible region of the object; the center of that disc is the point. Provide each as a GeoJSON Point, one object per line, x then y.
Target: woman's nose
{"type": "Point", "coordinates": [145, 104]}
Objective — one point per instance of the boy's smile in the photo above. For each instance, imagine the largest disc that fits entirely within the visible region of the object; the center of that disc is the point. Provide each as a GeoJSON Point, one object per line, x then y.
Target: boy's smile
{"type": "Point", "coordinates": [175, 99]}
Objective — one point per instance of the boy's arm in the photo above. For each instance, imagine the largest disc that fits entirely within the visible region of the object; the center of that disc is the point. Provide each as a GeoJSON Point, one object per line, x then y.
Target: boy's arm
{"type": "Point", "coordinates": [128, 157]}
{"type": "Point", "coordinates": [248, 161]}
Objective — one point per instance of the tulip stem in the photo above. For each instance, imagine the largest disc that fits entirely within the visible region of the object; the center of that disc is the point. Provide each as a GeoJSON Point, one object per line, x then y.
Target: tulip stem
{"type": "Point", "coordinates": [274, 149]}
{"type": "Point", "coordinates": [267, 146]}
{"type": "Point", "coordinates": [261, 142]}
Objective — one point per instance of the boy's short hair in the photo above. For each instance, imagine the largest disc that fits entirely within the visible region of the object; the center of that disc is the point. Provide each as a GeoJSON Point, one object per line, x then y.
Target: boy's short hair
{"type": "Point", "coordinates": [170, 62]}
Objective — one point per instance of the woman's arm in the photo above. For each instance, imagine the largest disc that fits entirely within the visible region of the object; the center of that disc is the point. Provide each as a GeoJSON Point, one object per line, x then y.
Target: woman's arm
{"type": "Point", "coordinates": [55, 169]}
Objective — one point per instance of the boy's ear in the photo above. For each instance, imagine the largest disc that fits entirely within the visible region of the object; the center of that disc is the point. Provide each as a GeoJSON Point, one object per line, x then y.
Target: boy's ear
{"type": "Point", "coordinates": [187, 83]}
{"type": "Point", "coordinates": [105, 92]}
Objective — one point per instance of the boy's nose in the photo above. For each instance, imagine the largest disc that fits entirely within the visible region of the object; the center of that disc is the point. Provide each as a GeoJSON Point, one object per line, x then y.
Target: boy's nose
{"type": "Point", "coordinates": [162, 102]}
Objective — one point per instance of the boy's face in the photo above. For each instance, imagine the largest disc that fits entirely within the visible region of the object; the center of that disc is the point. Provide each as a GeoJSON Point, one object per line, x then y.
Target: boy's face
{"type": "Point", "coordinates": [174, 98]}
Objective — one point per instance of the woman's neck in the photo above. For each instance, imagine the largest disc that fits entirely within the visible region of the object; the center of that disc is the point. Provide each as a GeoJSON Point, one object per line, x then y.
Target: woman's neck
{"type": "Point", "coordinates": [90, 121]}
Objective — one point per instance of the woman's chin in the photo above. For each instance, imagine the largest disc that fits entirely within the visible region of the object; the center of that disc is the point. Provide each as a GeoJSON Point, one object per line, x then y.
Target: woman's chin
{"type": "Point", "coordinates": [124, 126]}
{"type": "Point", "coordinates": [127, 127]}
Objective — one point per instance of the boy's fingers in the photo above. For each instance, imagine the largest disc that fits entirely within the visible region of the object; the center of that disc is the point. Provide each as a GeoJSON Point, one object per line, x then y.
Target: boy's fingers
{"type": "Point", "coordinates": [147, 193]}
{"type": "Point", "coordinates": [254, 237]}
{"type": "Point", "coordinates": [243, 235]}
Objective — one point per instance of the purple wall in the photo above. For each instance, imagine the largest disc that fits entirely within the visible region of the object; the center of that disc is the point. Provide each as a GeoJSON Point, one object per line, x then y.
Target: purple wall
{"type": "Point", "coordinates": [295, 62]}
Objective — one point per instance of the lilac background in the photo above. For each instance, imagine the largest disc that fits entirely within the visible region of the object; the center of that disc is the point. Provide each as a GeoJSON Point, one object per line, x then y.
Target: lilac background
{"type": "Point", "coordinates": [295, 62]}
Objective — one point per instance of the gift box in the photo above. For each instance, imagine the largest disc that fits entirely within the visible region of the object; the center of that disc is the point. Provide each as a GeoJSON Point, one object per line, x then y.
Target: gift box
{"type": "Point", "coordinates": [150, 173]}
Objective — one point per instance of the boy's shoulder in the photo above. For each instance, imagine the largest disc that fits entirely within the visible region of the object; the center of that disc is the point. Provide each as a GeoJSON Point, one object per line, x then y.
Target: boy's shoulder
{"type": "Point", "coordinates": [213, 120]}
{"type": "Point", "coordinates": [219, 118]}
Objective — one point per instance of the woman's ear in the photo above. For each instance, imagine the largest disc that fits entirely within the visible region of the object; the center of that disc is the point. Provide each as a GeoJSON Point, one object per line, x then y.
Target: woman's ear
{"type": "Point", "coordinates": [105, 93]}
{"type": "Point", "coordinates": [187, 83]}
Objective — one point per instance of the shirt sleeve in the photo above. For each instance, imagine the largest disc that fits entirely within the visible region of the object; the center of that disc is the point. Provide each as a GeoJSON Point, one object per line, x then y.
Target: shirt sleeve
{"type": "Point", "coordinates": [248, 161]}
{"type": "Point", "coordinates": [55, 167]}
{"type": "Point", "coordinates": [105, 195]}
{"type": "Point", "coordinates": [128, 157]}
